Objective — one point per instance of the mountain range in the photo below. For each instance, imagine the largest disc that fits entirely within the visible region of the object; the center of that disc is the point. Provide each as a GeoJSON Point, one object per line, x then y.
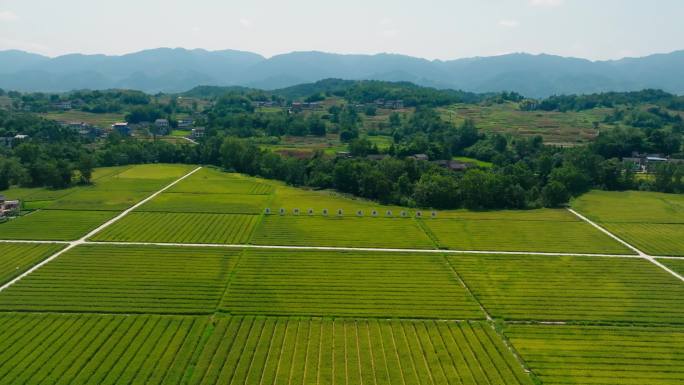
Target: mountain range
{"type": "Point", "coordinates": [178, 69]}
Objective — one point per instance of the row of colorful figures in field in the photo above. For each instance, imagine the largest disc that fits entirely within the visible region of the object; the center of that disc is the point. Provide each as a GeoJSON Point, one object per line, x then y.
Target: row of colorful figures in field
{"type": "Point", "coordinates": [359, 213]}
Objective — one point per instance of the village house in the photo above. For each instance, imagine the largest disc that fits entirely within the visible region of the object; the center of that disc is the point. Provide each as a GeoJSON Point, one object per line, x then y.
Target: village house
{"type": "Point", "coordinates": [646, 162]}
{"type": "Point", "coordinates": [197, 132]}
{"type": "Point", "coordinates": [162, 126]}
{"type": "Point", "coordinates": [454, 165]}
{"type": "Point", "coordinates": [122, 128]}
{"type": "Point", "coordinates": [8, 207]}
{"type": "Point", "coordinates": [62, 105]}
{"type": "Point", "coordinates": [185, 124]}
{"type": "Point", "coordinates": [420, 157]}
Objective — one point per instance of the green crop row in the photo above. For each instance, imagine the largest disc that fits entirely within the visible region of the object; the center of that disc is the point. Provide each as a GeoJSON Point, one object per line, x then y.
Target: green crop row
{"type": "Point", "coordinates": [54, 225]}
{"type": "Point", "coordinates": [347, 284]}
{"type": "Point", "coordinates": [16, 258]}
{"type": "Point", "coordinates": [94, 278]}
{"type": "Point", "coordinates": [211, 181]}
{"type": "Point", "coordinates": [606, 355]}
{"type": "Point", "coordinates": [573, 288]}
{"type": "Point", "coordinates": [341, 231]}
{"type": "Point", "coordinates": [181, 227]}
{"type": "Point", "coordinates": [257, 350]}
{"type": "Point", "coordinates": [651, 238]}
{"type": "Point", "coordinates": [526, 235]}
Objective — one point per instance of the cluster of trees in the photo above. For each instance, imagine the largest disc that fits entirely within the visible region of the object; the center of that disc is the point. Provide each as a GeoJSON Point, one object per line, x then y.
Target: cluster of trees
{"type": "Point", "coordinates": [89, 101]}
{"type": "Point", "coordinates": [608, 100]}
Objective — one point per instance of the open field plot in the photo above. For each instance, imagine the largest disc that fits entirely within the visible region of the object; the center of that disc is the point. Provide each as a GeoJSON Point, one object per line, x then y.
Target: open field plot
{"type": "Point", "coordinates": [631, 206]}
{"type": "Point", "coordinates": [556, 215]}
{"type": "Point", "coordinates": [304, 230]}
{"type": "Point", "coordinates": [573, 288]}
{"type": "Point", "coordinates": [257, 350]}
{"type": "Point", "coordinates": [98, 199]}
{"type": "Point", "coordinates": [162, 172]}
{"type": "Point", "coordinates": [54, 225]}
{"type": "Point", "coordinates": [16, 258]}
{"type": "Point", "coordinates": [651, 238]}
{"type": "Point", "coordinates": [181, 228]}
{"type": "Point", "coordinates": [606, 355]}
{"type": "Point", "coordinates": [76, 349]}
{"type": "Point", "coordinates": [207, 203]}
{"type": "Point", "coordinates": [98, 278]}
{"type": "Point", "coordinates": [348, 284]}
{"type": "Point", "coordinates": [211, 181]}
{"type": "Point", "coordinates": [522, 235]}
{"type": "Point", "coordinates": [674, 264]}
{"type": "Point", "coordinates": [96, 119]}
{"type": "Point", "coordinates": [555, 127]}
{"type": "Point", "coordinates": [291, 198]}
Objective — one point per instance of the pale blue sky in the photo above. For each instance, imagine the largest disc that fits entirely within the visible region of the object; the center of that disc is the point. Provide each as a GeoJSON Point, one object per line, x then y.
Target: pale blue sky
{"type": "Point", "coordinates": [443, 29]}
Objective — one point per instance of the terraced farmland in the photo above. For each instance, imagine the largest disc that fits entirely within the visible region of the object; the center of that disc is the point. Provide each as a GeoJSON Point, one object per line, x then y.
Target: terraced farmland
{"type": "Point", "coordinates": [16, 258]}
{"type": "Point", "coordinates": [573, 288]}
{"type": "Point", "coordinates": [208, 203]}
{"type": "Point", "coordinates": [69, 349]}
{"type": "Point", "coordinates": [256, 350]}
{"type": "Point", "coordinates": [100, 278]}
{"type": "Point", "coordinates": [348, 284]}
{"type": "Point", "coordinates": [181, 228]}
{"type": "Point", "coordinates": [304, 230]}
{"type": "Point", "coordinates": [516, 235]}
{"type": "Point", "coordinates": [54, 225]}
{"type": "Point", "coordinates": [606, 355]}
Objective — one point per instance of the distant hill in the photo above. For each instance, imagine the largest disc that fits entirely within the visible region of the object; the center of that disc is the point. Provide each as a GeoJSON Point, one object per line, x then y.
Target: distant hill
{"type": "Point", "coordinates": [177, 70]}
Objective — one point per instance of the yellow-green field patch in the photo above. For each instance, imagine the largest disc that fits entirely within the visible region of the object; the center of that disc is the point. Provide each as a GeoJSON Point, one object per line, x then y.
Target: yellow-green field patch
{"type": "Point", "coordinates": [180, 228]}
{"type": "Point", "coordinates": [526, 235]}
{"type": "Point", "coordinates": [16, 258]}
{"type": "Point", "coordinates": [54, 225]}
{"type": "Point", "coordinates": [541, 288]}
{"type": "Point", "coordinates": [351, 284]}
{"type": "Point", "coordinates": [304, 230]}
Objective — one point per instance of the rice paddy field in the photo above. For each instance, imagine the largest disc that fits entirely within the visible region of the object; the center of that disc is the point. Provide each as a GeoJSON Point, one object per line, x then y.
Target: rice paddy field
{"type": "Point", "coordinates": [653, 222]}
{"type": "Point", "coordinates": [126, 279]}
{"type": "Point", "coordinates": [348, 284]}
{"type": "Point", "coordinates": [15, 258]}
{"type": "Point", "coordinates": [304, 230]}
{"type": "Point", "coordinates": [522, 235]}
{"type": "Point", "coordinates": [587, 289]}
{"type": "Point", "coordinates": [248, 297]}
{"type": "Point", "coordinates": [54, 225]}
{"type": "Point", "coordinates": [181, 228]}
{"type": "Point", "coordinates": [606, 355]}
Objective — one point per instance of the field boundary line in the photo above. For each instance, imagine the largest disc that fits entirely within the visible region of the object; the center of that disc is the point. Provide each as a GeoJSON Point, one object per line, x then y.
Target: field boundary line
{"type": "Point", "coordinates": [83, 239]}
{"type": "Point", "coordinates": [641, 254]}
{"type": "Point", "coordinates": [371, 249]}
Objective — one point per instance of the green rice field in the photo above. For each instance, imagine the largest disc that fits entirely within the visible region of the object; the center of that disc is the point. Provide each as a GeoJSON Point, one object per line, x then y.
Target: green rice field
{"type": "Point", "coordinates": [606, 355]}
{"type": "Point", "coordinates": [16, 258]}
{"type": "Point", "coordinates": [541, 288]}
{"type": "Point", "coordinates": [124, 279]}
{"type": "Point", "coordinates": [347, 284]}
{"type": "Point", "coordinates": [522, 235]}
{"type": "Point", "coordinates": [54, 225]}
{"type": "Point", "coordinates": [181, 228]}
{"type": "Point", "coordinates": [304, 230]}
{"type": "Point", "coordinates": [230, 303]}
{"type": "Point", "coordinates": [207, 203]}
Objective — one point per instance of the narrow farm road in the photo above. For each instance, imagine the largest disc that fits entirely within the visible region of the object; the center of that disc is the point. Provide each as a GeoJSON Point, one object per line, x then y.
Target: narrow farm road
{"type": "Point", "coordinates": [83, 239]}
{"type": "Point", "coordinates": [647, 257]}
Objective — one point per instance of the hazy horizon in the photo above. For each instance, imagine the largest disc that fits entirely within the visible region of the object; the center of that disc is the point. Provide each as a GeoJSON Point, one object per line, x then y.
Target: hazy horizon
{"type": "Point", "coordinates": [339, 53]}
{"type": "Point", "coordinates": [434, 29]}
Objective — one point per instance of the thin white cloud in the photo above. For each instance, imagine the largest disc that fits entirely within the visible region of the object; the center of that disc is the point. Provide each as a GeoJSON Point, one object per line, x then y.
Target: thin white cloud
{"type": "Point", "coordinates": [8, 16]}
{"type": "Point", "coordinates": [247, 23]}
{"type": "Point", "coordinates": [546, 3]}
{"type": "Point", "coordinates": [509, 23]}
{"type": "Point", "coordinates": [390, 33]}
{"type": "Point", "coordinates": [385, 21]}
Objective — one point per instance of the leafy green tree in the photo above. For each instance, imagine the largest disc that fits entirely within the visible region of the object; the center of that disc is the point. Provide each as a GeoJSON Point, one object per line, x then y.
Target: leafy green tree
{"type": "Point", "coordinates": [554, 194]}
